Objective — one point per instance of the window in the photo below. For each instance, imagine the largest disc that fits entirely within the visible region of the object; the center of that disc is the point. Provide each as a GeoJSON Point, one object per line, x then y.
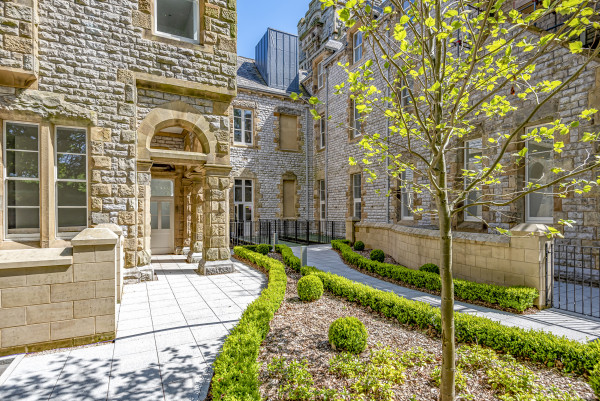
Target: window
{"type": "Point", "coordinates": [356, 195]}
{"type": "Point", "coordinates": [405, 99]}
{"type": "Point", "coordinates": [71, 179]}
{"type": "Point", "coordinates": [320, 75]}
{"type": "Point", "coordinates": [177, 19]}
{"type": "Point", "coordinates": [357, 48]}
{"type": "Point", "coordinates": [538, 165]}
{"type": "Point", "coordinates": [407, 195]}
{"type": "Point", "coordinates": [356, 122]}
{"type": "Point", "coordinates": [243, 200]}
{"type": "Point", "coordinates": [21, 155]}
{"type": "Point", "coordinates": [323, 132]}
{"type": "Point", "coordinates": [288, 136]}
{"type": "Point", "coordinates": [473, 152]}
{"type": "Point", "coordinates": [289, 199]}
{"type": "Point", "coordinates": [322, 203]}
{"type": "Point", "coordinates": [243, 123]}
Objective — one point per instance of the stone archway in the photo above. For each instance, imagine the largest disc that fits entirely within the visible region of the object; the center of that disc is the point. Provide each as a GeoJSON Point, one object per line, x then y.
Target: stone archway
{"type": "Point", "coordinates": [209, 178]}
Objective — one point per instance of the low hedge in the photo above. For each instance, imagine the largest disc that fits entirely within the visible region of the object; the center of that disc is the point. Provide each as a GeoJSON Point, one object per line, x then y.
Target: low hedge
{"type": "Point", "coordinates": [519, 298]}
{"type": "Point", "coordinates": [534, 345]}
{"type": "Point", "coordinates": [236, 368]}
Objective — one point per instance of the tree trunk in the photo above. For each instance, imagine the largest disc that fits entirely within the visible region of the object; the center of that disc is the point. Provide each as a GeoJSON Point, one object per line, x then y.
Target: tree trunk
{"type": "Point", "coordinates": [447, 388]}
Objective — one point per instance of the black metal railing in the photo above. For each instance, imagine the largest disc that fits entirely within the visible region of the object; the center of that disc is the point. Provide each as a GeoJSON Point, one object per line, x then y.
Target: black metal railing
{"type": "Point", "coordinates": [576, 286]}
{"type": "Point", "coordinates": [295, 231]}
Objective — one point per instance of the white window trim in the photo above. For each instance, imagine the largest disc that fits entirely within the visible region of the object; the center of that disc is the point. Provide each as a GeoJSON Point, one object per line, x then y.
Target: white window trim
{"type": "Point", "coordinates": [70, 234]}
{"type": "Point", "coordinates": [357, 47]}
{"type": "Point", "coordinates": [320, 75]}
{"type": "Point", "coordinates": [323, 132]}
{"type": "Point", "coordinates": [196, 39]}
{"type": "Point", "coordinates": [405, 190]}
{"type": "Point", "coordinates": [356, 200]}
{"type": "Point", "coordinates": [243, 203]}
{"type": "Point", "coordinates": [466, 215]}
{"type": "Point", "coordinates": [356, 123]}
{"type": "Point", "coordinates": [243, 127]}
{"type": "Point", "coordinates": [528, 218]}
{"type": "Point", "coordinates": [13, 237]}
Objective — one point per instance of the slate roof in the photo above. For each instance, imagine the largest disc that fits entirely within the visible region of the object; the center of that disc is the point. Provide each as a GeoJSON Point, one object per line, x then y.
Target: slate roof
{"type": "Point", "coordinates": [248, 77]}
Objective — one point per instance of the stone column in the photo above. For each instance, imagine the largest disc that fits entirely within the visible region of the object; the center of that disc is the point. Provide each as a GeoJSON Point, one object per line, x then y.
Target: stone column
{"type": "Point", "coordinates": [197, 228]}
{"type": "Point", "coordinates": [187, 215]}
{"type": "Point", "coordinates": [140, 257]}
{"type": "Point", "coordinates": [216, 257]}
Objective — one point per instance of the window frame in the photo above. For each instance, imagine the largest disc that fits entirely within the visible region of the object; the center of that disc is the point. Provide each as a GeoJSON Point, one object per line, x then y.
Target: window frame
{"type": "Point", "coordinates": [70, 234]}
{"type": "Point", "coordinates": [244, 203]}
{"type": "Point", "coordinates": [322, 200]}
{"type": "Point", "coordinates": [405, 192]}
{"type": "Point", "coordinates": [528, 217]}
{"type": "Point", "coordinates": [7, 179]}
{"type": "Point", "coordinates": [357, 125]}
{"type": "Point", "coordinates": [243, 127]}
{"type": "Point", "coordinates": [356, 200]}
{"type": "Point", "coordinates": [156, 32]}
{"type": "Point", "coordinates": [320, 75]}
{"type": "Point", "coordinates": [323, 132]}
{"type": "Point", "coordinates": [466, 215]}
{"type": "Point", "coordinates": [357, 48]}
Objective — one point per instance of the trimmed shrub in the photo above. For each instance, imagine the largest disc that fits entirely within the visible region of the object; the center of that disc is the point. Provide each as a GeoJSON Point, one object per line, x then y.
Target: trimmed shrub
{"type": "Point", "coordinates": [359, 246]}
{"type": "Point", "coordinates": [377, 255]}
{"type": "Point", "coordinates": [348, 334]}
{"type": "Point", "coordinates": [519, 298]}
{"type": "Point", "coordinates": [263, 249]}
{"type": "Point", "coordinates": [594, 380]}
{"type": "Point", "coordinates": [236, 368]}
{"type": "Point", "coordinates": [310, 288]}
{"type": "Point", "coordinates": [430, 267]}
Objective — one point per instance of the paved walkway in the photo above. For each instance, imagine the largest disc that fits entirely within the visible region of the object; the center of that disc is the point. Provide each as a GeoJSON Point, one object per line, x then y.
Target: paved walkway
{"type": "Point", "coordinates": [169, 333]}
{"type": "Point", "coordinates": [561, 323]}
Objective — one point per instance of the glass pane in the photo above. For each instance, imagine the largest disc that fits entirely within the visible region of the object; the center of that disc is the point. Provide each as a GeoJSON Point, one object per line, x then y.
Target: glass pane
{"type": "Point", "coordinates": [248, 137]}
{"type": "Point", "coordinates": [21, 136]}
{"type": "Point", "coordinates": [238, 193]}
{"type": "Point", "coordinates": [165, 208]}
{"type": "Point", "coordinates": [70, 140]}
{"type": "Point", "coordinates": [161, 187]}
{"type": "Point", "coordinates": [71, 193]}
{"type": "Point", "coordinates": [357, 186]}
{"type": "Point", "coordinates": [237, 136]}
{"type": "Point", "coordinates": [71, 167]}
{"type": "Point", "coordinates": [322, 211]}
{"type": "Point", "coordinates": [71, 217]}
{"type": "Point", "coordinates": [23, 193]}
{"type": "Point", "coordinates": [23, 218]}
{"type": "Point", "coordinates": [154, 215]}
{"type": "Point", "coordinates": [237, 113]}
{"type": "Point", "coordinates": [541, 205]}
{"type": "Point", "coordinates": [165, 222]}
{"type": "Point", "coordinates": [22, 164]}
{"type": "Point", "coordinates": [357, 210]}
{"type": "Point", "coordinates": [248, 213]}
{"type": "Point", "coordinates": [248, 191]}
{"type": "Point", "coordinates": [177, 17]}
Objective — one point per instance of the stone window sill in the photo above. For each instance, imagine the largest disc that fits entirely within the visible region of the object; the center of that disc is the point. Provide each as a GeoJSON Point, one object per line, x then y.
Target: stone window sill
{"type": "Point", "coordinates": [26, 258]}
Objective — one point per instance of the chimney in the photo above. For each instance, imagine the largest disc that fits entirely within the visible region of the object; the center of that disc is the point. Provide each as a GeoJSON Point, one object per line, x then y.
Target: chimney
{"type": "Point", "coordinates": [277, 60]}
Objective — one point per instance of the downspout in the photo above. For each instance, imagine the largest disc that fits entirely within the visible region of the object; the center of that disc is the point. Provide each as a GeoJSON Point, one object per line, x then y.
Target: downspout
{"type": "Point", "coordinates": [326, 143]}
{"type": "Point", "coordinates": [387, 159]}
{"type": "Point", "coordinates": [307, 140]}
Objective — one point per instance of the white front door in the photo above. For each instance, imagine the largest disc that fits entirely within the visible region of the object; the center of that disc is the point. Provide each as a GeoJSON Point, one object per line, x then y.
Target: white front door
{"type": "Point", "coordinates": [161, 218]}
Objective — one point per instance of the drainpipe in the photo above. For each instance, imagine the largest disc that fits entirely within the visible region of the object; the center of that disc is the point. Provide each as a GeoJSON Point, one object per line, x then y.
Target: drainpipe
{"type": "Point", "coordinates": [307, 140]}
{"type": "Point", "coordinates": [387, 160]}
{"type": "Point", "coordinates": [326, 143]}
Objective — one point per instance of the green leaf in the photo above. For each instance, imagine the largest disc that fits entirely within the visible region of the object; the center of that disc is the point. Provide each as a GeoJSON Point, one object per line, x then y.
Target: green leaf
{"type": "Point", "coordinates": [576, 47]}
{"type": "Point", "coordinates": [430, 22]}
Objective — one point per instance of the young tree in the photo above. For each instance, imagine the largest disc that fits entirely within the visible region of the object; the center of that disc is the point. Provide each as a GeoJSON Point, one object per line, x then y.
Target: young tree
{"type": "Point", "coordinates": [442, 67]}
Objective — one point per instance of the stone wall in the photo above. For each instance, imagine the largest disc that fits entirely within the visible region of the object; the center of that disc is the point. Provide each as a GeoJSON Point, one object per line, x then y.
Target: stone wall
{"type": "Point", "coordinates": [482, 258]}
{"type": "Point", "coordinates": [59, 297]}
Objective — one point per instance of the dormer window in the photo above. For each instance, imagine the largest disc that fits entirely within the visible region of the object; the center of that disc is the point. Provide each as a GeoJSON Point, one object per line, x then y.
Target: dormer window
{"type": "Point", "coordinates": [177, 19]}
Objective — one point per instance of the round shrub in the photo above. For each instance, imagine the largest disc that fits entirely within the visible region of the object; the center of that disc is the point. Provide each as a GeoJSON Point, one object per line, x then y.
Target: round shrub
{"type": "Point", "coordinates": [263, 249]}
{"type": "Point", "coordinates": [310, 288]}
{"type": "Point", "coordinates": [348, 334]}
{"type": "Point", "coordinates": [430, 267]}
{"type": "Point", "coordinates": [377, 255]}
{"type": "Point", "coordinates": [359, 246]}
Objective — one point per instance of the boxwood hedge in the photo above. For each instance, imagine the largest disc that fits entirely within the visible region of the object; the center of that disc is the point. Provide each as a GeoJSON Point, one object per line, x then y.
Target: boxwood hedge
{"type": "Point", "coordinates": [236, 368]}
{"type": "Point", "coordinates": [534, 345]}
{"type": "Point", "coordinates": [519, 298]}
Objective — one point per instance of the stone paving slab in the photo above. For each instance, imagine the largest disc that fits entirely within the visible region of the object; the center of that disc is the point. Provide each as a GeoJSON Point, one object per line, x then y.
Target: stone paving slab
{"type": "Point", "coordinates": [169, 333]}
{"type": "Point", "coordinates": [576, 327]}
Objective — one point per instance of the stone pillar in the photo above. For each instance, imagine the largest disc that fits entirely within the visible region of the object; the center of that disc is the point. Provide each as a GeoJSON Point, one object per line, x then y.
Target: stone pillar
{"type": "Point", "coordinates": [351, 228]}
{"type": "Point", "coordinates": [197, 225]}
{"type": "Point", "coordinates": [216, 256]}
{"type": "Point", "coordinates": [120, 257]}
{"type": "Point", "coordinates": [187, 215]}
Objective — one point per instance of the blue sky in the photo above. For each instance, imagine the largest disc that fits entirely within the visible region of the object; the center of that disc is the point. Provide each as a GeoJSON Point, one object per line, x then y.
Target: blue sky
{"type": "Point", "coordinates": [255, 16]}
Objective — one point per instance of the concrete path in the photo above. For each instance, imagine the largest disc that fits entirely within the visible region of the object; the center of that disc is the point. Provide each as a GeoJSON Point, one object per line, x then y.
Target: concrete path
{"type": "Point", "coordinates": [169, 333]}
{"type": "Point", "coordinates": [561, 323]}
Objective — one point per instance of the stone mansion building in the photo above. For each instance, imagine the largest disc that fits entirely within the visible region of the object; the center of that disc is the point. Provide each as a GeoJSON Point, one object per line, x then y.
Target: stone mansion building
{"type": "Point", "coordinates": [139, 113]}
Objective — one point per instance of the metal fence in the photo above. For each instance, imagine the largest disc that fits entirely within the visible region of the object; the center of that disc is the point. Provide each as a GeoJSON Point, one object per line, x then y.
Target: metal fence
{"type": "Point", "coordinates": [576, 274]}
{"type": "Point", "coordinates": [296, 231]}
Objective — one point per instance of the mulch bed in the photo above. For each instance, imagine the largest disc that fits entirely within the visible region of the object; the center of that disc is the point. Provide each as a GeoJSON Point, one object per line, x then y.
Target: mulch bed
{"type": "Point", "coordinates": [299, 331]}
{"type": "Point", "coordinates": [388, 259]}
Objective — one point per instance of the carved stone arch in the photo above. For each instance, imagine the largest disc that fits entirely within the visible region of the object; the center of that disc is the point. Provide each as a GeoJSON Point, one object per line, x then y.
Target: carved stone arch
{"type": "Point", "coordinates": [176, 114]}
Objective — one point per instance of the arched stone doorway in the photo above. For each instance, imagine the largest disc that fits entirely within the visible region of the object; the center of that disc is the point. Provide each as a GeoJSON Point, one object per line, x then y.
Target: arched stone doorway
{"type": "Point", "coordinates": [177, 144]}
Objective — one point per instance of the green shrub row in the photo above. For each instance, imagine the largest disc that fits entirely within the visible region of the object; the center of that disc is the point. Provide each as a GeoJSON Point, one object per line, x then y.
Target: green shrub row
{"type": "Point", "coordinates": [236, 368]}
{"type": "Point", "coordinates": [519, 298]}
{"type": "Point", "coordinates": [534, 345]}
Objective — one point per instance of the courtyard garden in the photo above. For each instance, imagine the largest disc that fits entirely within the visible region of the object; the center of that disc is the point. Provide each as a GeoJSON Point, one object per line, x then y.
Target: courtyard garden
{"type": "Point", "coordinates": [317, 336]}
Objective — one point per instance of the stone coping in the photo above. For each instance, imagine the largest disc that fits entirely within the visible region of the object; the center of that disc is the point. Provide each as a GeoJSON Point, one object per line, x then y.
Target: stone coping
{"type": "Point", "coordinates": [44, 257]}
{"type": "Point", "coordinates": [95, 236]}
{"type": "Point", "coordinates": [434, 234]}
{"type": "Point", "coordinates": [112, 227]}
